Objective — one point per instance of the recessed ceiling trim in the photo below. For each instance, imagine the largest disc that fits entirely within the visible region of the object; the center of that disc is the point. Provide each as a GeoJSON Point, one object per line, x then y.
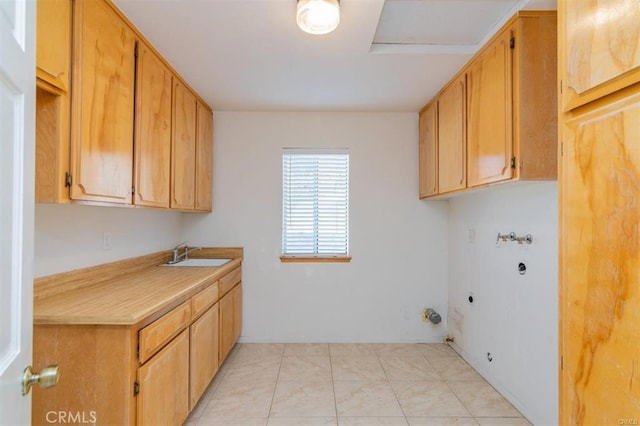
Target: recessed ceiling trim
{"type": "Point", "coordinates": [424, 49]}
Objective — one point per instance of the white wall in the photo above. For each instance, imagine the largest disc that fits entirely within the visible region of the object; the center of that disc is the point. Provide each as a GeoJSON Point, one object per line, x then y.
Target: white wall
{"type": "Point", "coordinates": [69, 237]}
{"type": "Point", "coordinates": [398, 243]}
{"type": "Point", "coordinates": [513, 317]}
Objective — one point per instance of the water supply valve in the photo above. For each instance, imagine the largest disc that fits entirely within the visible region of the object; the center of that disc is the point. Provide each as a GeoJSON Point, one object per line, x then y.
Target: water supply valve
{"type": "Point", "coordinates": [431, 315]}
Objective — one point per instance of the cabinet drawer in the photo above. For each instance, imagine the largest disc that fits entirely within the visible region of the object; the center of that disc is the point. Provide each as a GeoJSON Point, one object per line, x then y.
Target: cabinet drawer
{"type": "Point", "coordinates": [201, 301]}
{"type": "Point", "coordinates": [155, 335]}
{"type": "Point", "coordinates": [228, 281]}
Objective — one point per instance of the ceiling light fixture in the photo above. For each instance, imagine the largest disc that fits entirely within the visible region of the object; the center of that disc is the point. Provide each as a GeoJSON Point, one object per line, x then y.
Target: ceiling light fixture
{"type": "Point", "coordinates": [318, 16]}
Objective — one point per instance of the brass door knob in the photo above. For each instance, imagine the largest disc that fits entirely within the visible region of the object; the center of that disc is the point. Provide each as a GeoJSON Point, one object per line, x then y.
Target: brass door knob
{"type": "Point", "coordinates": [47, 378]}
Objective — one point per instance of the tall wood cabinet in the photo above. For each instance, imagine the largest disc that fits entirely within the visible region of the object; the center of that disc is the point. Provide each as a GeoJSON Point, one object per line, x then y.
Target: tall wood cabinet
{"type": "Point", "coordinates": [497, 118]}
{"type": "Point", "coordinates": [103, 105]}
{"type": "Point", "coordinates": [599, 186]}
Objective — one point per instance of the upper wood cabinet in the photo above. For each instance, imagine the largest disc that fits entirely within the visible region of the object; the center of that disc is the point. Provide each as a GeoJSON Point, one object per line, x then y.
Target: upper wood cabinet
{"type": "Point", "coordinates": [452, 155]}
{"type": "Point", "coordinates": [192, 152]}
{"type": "Point", "coordinates": [602, 53]}
{"type": "Point", "coordinates": [489, 88]}
{"type": "Point", "coordinates": [153, 130]}
{"type": "Point", "coordinates": [428, 150]}
{"type": "Point", "coordinates": [183, 150]}
{"type": "Point", "coordinates": [502, 124]}
{"type": "Point", "coordinates": [131, 131]}
{"type": "Point", "coordinates": [204, 159]}
{"type": "Point", "coordinates": [535, 100]}
{"type": "Point", "coordinates": [53, 106]}
{"type": "Point", "coordinates": [103, 104]}
{"type": "Point", "coordinates": [53, 43]}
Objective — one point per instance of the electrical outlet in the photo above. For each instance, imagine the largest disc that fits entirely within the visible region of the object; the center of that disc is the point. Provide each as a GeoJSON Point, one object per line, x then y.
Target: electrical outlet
{"type": "Point", "coordinates": [472, 235]}
{"type": "Point", "coordinates": [106, 240]}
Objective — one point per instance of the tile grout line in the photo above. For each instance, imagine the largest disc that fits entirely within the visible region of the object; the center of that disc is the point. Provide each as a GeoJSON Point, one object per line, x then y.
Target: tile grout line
{"type": "Point", "coordinates": [333, 385]}
{"type": "Point", "coordinates": [275, 386]}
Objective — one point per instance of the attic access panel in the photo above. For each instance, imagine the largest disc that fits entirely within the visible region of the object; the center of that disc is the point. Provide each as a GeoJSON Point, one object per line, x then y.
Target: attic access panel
{"type": "Point", "coordinates": [439, 22]}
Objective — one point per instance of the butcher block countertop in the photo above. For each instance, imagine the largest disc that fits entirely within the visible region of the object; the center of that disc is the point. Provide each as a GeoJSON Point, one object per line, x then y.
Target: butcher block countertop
{"type": "Point", "coordinates": [129, 292]}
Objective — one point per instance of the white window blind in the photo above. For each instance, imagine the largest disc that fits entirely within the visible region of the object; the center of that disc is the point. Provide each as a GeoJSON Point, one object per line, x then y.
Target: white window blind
{"type": "Point", "coordinates": [315, 202]}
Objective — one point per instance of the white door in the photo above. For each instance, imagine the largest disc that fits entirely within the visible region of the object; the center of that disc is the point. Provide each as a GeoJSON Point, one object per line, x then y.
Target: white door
{"type": "Point", "coordinates": [17, 176]}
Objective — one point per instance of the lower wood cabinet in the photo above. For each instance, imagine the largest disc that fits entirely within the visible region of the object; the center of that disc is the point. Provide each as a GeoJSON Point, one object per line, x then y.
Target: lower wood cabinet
{"type": "Point", "coordinates": [230, 320]}
{"type": "Point", "coordinates": [226, 325]}
{"type": "Point", "coordinates": [164, 385]}
{"type": "Point", "coordinates": [150, 373]}
{"type": "Point", "coordinates": [237, 312]}
{"type": "Point", "coordinates": [204, 334]}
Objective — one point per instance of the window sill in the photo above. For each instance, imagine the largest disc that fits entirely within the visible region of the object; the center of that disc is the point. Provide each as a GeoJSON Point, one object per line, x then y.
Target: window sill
{"type": "Point", "coordinates": [316, 259]}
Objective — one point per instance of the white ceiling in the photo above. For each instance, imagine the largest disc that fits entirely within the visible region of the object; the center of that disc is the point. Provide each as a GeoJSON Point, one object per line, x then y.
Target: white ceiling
{"type": "Point", "coordinates": [249, 55]}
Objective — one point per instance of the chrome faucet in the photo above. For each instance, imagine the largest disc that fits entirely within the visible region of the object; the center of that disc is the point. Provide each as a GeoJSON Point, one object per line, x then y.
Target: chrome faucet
{"type": "Point", "coordinates": [177, 257]}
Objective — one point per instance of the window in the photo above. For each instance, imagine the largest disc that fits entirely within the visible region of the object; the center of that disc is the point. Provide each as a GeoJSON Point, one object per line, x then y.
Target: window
{"type": "Point", "coordinates": [315, 205]}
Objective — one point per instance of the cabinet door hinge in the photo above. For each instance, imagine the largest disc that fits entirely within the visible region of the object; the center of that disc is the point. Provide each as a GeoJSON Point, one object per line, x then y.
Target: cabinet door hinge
{"type": "Point", "coordinates": [136, 388]}
{"type": "Point", "coordinates": [512, 42]}
{"type": "Point", "coordinates": [68, 180]}
{"type": "Point", "coordinates": [513, 162]}
{"type": "Point", "coordinates": [133, 189]}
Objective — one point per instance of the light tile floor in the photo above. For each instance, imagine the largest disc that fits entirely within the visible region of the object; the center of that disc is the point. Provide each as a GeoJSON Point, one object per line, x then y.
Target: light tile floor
{"type": "Point", "coordinates": [350, 384]}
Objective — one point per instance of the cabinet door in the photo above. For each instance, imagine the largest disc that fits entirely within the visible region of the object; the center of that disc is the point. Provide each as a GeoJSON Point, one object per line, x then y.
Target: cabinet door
{"type": "Point", "coordinates": [103, 98]}
{"type": "Point", "coordinates": [428, 151]}
{"type": "Point", "coordinates": [204, 353]}
{"type": "Point", "coordinates": [599, 264]}
{"type": "Point", "coordinates": [237, 312]}
{"type": "Point", "coordinates": [452, 143]}
{"type": "Point", "coordinates": [204, 159]}
{"type": "Point", "coordinates": [53, 45]}
{"type": "Point", "coordinates": [226, 325]}
{"type": "Point", "coordinates": [183, 148]}
{"type": "Point", "coordinates": [164, 385]}
{"type": "Point", "coordinates": [489, 122]}
{"type": "Point", "coordinates": [602, 53]}
{"type": "Point", "coordinates": [153, 130]}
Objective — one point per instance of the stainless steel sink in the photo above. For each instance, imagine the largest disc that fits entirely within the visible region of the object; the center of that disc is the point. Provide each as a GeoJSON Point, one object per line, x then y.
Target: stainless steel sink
{"type": "Point", "coordinates": [200, 262]}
